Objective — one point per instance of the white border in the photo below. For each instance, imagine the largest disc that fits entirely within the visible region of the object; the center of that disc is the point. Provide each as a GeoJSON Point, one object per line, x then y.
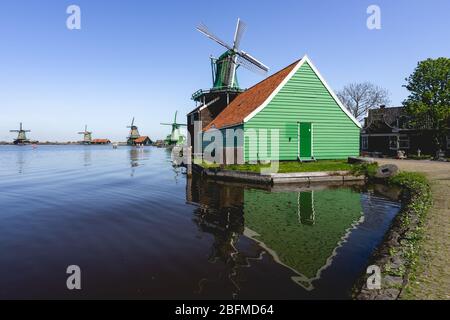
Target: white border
{"type": "Point", "coordinates": [289, 76]}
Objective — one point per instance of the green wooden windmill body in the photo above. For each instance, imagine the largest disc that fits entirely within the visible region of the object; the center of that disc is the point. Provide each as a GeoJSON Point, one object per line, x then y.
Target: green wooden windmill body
{"type": "Point", "coordinates": [224, 68]}
{"type": "Point", "coordinates": [224, 71]}
{"type": "Point", "coordinates": [175, 137]}
{"type": "Point", "coordinates": [21, 135]}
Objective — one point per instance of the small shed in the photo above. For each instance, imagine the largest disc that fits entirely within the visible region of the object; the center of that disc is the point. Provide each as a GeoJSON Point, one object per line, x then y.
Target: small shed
{"type": "Point", "coordinates": [300, 106]}
{"type": "Point", "coordinates": [142, 141]}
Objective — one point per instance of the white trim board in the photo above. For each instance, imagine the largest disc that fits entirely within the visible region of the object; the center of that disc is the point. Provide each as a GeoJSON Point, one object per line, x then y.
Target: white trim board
{"type": "Point", "coordinates": [289, 76]}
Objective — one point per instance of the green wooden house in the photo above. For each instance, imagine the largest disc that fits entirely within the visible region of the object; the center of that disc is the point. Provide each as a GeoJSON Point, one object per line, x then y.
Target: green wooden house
{"type": "Point", "coordinates": [311, 122]}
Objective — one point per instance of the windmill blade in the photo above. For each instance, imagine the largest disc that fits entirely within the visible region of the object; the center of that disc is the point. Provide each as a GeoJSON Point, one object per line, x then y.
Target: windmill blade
{"type": "Point", "coordinates": [166, 124]}
{"type": "Point", "coordinates": [252, 60]}
{"type": "Point", "coordinates": [203, 29]}
{"type": "Point", "coordinates": [240, 29]}
{"type": "Point", "coordinates": [251, 66]}
{"type": "Point", "coordinates": [175, 121]}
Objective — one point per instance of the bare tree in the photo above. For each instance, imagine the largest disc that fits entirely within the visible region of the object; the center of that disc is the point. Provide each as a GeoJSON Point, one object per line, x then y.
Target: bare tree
{"type": "Point", "coordinates": [358, 98]}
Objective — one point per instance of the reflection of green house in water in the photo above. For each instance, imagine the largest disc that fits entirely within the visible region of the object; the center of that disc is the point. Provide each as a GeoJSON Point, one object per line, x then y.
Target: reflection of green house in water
{"type": "Point", "coordinates": [302, 230]}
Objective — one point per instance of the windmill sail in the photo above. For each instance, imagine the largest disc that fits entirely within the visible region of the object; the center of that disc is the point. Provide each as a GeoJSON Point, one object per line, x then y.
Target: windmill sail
{"type": "Point", "coordinates": [87, 135]}
{"type": "Point", "coordinates": [21, 135]}
{"type": "Point", "coordinates": [175, 137]}
{"type": "Point", "coordinates": [225, 66]}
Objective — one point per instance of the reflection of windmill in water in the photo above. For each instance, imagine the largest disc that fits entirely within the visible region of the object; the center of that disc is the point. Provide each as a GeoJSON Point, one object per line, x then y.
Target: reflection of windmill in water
{"type": "Point", "coordinates": [220, 213]}
{"type": "Point", "coordinates": [21, 161]}
{"type": "Point", "coordinates": [137, 156]}
{"type": "Point", "coordinates": [175, 137]}
{"type": "Point", "coordinates": [21, 136]}
{"type": "Point", "coordinates": [226, 225]}
{"type": "Point", "coordinates": [87, 136]}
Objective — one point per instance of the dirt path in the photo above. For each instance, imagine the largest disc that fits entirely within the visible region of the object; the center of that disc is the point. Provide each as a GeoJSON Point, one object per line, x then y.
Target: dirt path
{"type": "Point", "coordinates": [433, 273]}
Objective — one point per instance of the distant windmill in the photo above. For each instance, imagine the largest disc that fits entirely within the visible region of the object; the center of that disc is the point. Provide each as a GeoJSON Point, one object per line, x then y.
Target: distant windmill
{"type": "Point", "coordinates": [87, 136]}
{"type": "Point", "coordinates": [134, 133]}
{"type": "Point", "coordinates": [175, 137]}
{"type": "Point", "coordinates": [224, 68]}
{"type": "Point", "coordinates": [21, 136]}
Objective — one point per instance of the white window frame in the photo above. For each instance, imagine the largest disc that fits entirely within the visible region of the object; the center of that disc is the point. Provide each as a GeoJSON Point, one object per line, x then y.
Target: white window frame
{"type": "Point", "coordinates": [364, 142]}
{"type": "Point", "coordinates": [396, 144]}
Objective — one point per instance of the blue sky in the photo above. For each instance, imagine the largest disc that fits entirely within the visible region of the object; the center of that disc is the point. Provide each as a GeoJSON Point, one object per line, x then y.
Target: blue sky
{"type": "Point", "coordinates": [145, 58]}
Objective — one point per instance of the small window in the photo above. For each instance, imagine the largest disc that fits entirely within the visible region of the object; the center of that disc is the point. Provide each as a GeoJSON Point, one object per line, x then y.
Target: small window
{"type": "Point", "coordinates": [393, 142]}
{"type": "Point", "coordinates": [365, 142]}
{"type": "Point", "coordinates": [403, 142]}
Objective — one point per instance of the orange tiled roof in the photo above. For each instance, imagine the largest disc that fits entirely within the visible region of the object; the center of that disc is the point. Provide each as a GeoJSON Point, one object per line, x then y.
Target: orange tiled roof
{"type": "Point", "coordinates": [249, 100]}
{"type": "Point", "coordinates": [141, 139]}
{"type": "Point", "coordinates": [100, 141]}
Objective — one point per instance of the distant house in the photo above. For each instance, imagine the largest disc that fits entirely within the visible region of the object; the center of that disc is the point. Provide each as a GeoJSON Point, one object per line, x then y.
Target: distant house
{"type": "Point", "coordinates": [388, 130]}
{"type": "Point", "coordinates": [311, 121]}
{"type": "Point", "coordinates": [142, 141]}
{"type": "Point", "coordinates": [100, 141]}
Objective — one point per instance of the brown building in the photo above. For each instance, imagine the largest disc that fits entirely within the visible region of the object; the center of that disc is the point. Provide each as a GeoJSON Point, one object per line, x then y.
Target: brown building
{"type": "Point", "coordinates": [388, 130]}
{"type": "Point", "coordinates": [210, 104]}
{"type": "Point", "coordinates": [100, 141]}
{"type": "Point", "coordinates": [142, 141]}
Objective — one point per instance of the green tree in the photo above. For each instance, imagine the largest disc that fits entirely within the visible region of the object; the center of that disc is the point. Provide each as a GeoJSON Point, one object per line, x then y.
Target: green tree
{"type": "Point", "coordinates": [429, 100]}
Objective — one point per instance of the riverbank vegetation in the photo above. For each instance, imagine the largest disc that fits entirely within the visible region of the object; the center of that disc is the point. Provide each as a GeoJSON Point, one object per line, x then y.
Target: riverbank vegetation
{"type": "Point", "coordinates": [288, 166]}
{"type": "Point", "coordinates": [417, 193]}
{"type": "Point", "coordinates": [398, 255]}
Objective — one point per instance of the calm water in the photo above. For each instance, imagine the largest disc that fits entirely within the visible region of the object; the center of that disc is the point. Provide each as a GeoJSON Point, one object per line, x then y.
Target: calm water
{"type": "Point", "coordinates": [138, 228]}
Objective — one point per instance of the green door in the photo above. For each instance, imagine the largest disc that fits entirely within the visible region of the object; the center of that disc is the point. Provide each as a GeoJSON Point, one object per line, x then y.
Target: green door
{"type": "Point", "coordinates": [305, 132]}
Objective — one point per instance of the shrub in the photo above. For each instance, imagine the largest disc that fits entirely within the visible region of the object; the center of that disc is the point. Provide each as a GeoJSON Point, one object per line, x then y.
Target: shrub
{"type": "Point", "coordinates": [365, 169]}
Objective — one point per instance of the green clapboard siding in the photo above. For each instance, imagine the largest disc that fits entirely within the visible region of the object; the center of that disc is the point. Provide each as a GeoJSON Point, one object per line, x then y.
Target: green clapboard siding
{"type": "Point", "coordinates": [305, 228]}
{"type": "Point", "coordinates": [304, 98]}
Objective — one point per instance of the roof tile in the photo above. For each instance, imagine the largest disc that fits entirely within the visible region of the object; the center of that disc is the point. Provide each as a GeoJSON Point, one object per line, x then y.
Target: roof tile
{"type": "Point", "coordinates": [249, 100]}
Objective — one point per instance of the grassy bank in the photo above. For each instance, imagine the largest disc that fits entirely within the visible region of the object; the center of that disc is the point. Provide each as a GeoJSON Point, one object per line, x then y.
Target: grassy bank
{"type": "Point", "coordinates": [290, 166]}
{"type": "Point", "coordinates": [417, 195]}
{"type": "Point", "coordinates": [398, 255]}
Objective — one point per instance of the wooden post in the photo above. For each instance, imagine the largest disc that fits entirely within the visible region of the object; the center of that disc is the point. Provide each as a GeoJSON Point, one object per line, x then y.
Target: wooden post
{"type": "Point", "coordinates": [188, 159]}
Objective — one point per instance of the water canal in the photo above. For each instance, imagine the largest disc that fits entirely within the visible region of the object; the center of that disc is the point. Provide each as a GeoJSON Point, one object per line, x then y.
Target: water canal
{"type": "Point", "coordinates": [138, 228]}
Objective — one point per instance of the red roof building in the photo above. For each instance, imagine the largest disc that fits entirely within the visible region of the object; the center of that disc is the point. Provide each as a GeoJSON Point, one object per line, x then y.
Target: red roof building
{"type": "Point", "coordinates": [249, 100]}
{"type": "Point", "coordinates": [143, 140]}
{"type": "Point", "coordinates": [101, 141]}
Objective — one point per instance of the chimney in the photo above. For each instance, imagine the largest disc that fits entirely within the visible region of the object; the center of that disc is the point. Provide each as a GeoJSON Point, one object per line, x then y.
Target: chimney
{"type": "Point", "coordinates": [382, 106]}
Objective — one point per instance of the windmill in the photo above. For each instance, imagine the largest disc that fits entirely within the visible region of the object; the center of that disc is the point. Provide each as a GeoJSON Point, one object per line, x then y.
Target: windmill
{"type": "Point", "coordinates": [134, 134]}
{"type": "Point", "coordinates": [224, 68]}
{"type": "Point", "coordinates": [175, 137]}
{"type": "Point", "coordinates": [87, 136]}
{"type": "Point", "coordinates": [21, 136]}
